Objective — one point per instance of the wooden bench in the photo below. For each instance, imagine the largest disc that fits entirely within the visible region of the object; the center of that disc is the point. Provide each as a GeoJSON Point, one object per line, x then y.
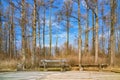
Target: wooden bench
{"type": "Point", "coordinates": [54, 64]}
{"type": "Point", "coordinates": [99, 66]}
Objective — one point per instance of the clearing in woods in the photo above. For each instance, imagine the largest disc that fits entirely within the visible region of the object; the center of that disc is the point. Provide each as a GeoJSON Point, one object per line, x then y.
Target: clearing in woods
{"type": "Point", "coordinates": [68, 75]}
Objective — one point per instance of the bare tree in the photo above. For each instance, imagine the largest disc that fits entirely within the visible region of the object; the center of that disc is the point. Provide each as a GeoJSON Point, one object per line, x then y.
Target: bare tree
{"type": "Point", "coordinates": [112, 32]}
{"type": "Point", "coordinates": [12, 30]}
{"type": "Point", "coordinates": [87, 33]}
{"type": "Point", "coordinates": [58, 20]}
{"type": "Point", "coordinates": [23, 32]}
{"type": "Point", "coordinates": [34, 34]}
{"type": "Point", "coordinates": [103, 39]}
{"type": "Point", "coordinates": [6, 34]}
{"type": "Point", "coordinates": [118, 25]}
{"type": "Point", "coordinates": [94, 7]}
{"type": "Point", "coordinates": [44, 24]}
{"type": "Point", "coordinates": [68, 11]}
{"type": "Point", "coordinates": [0, 27]}
{"type": "Point", "coordinates": [96, 39]}
{"type": "Point", "coordinates": [79, 35]}
{"type": "Point", "coordinates": [39, 4]}
{"type": "Point", "coordinates": [50, 24]}
{"type": "Point", "coordinates": [11, 26]}
{"type": "Point", "coordinates": [93, 33]}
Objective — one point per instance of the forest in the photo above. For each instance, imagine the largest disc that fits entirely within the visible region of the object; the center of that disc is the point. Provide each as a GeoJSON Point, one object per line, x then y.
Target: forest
{"type": "Point", "coordinates": [81, 31]}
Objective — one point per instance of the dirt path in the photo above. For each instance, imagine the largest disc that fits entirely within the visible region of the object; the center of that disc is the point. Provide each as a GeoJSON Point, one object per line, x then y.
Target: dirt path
{"type": "Point", "coordinates": [23, 75]}
{"type": "Point", "coordinates": [74, 75]}
{"type": "Point", "coordinates": [69, 75]}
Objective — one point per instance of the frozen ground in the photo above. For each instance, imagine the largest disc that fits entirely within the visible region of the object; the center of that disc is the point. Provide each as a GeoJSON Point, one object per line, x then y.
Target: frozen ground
{"type": "Point", "coordinates": [68, 75]}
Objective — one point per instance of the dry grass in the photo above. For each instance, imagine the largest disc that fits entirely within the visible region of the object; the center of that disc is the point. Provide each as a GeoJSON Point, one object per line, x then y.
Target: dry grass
{"type": "Point", "coordinates": [87, 59]}
{"type": "Point", "coordinates": [8, 64]}
{"type": "Point", "coordinates": [72, 60]}
{"type": "Point", "coordinates": [74, 68]}
{"type": "Point", "coordinates": [116, 70]}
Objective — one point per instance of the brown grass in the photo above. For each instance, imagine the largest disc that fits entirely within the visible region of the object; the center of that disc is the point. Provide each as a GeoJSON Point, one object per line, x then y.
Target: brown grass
{"type": "Point", "coordinates": [72, 60]}
{"type": "Point", "coordinates": [8, 64]}
{"type": "Point", "coordinates": [87, 59]}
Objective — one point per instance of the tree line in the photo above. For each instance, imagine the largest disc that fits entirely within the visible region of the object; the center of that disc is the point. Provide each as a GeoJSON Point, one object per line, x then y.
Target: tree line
{"type": "Point", "coordinates": [23, 28]}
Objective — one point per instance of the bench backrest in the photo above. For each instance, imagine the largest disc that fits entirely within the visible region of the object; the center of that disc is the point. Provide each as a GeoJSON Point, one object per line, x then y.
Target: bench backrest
{"type": "Point", "coordinates": [54, 61]}
{"type": "Point", "coordinates": [94, 65]}
{"type": "Point", "coordinates": [61, 62]}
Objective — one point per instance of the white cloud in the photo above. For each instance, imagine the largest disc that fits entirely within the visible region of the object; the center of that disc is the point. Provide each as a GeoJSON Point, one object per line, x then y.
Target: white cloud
{"type": "Point", "coordinates": [84, 3]}
{"type": "Point", "coordinates": [105, 35]}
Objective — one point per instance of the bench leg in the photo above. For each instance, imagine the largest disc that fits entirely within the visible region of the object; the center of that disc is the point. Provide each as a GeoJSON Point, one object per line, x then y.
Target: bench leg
{"type": "Point", "coordinates": [45, 68]}
{"type": "Point", "coordinates": [62, 68]}
{"type": "Point", "coordinates": [100, 68]}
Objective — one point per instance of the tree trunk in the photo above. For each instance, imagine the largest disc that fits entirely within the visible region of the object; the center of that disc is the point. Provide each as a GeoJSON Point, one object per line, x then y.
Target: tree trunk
{"type": "Point", "coordinates": [0, 28]}
{"type": "Point", "coordinates": [112, 32]}
{"type": "Point", "coordinates": [67, 24]}
{"type": "Point", "coordinates": [118, 18]}
{"type": "Point", "coordinates": [79, 35]}
{"type": "Point", "coordinates": [119, 43]}
{"type": "Point", "coordinates": [6, 36]}
{"type": "Point", "coordinates": [34, 36]}
{"type": "Point", "coordinates": [93, 39]}
{"type": "Point", "coordinates": [87, 33]}
{"type": "Point", "coordinates": [103, 38]}
{"type": "Point", "coordinates": [23, 33]}
{"type": "Point", "coordinates": [50, 27]}
{"type": "Point", "coordinates": [67, 5]}
{"type": "Point", "coordinates": [39, 28]}
{"type": "Point", "coordinates": [10, 39]}
{"type": "Point", "coordinates": [12, 31]}
{"type": "Point", "coordinates": [96, 38]}
{"type": "Point", "coordinates": [44, 22]}
{"type": "Point", "coordinates": [56, 49]}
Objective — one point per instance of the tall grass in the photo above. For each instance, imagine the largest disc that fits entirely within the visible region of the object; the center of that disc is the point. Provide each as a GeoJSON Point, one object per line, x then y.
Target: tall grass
{"type": "Point", "coordinates": [8, 64]}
